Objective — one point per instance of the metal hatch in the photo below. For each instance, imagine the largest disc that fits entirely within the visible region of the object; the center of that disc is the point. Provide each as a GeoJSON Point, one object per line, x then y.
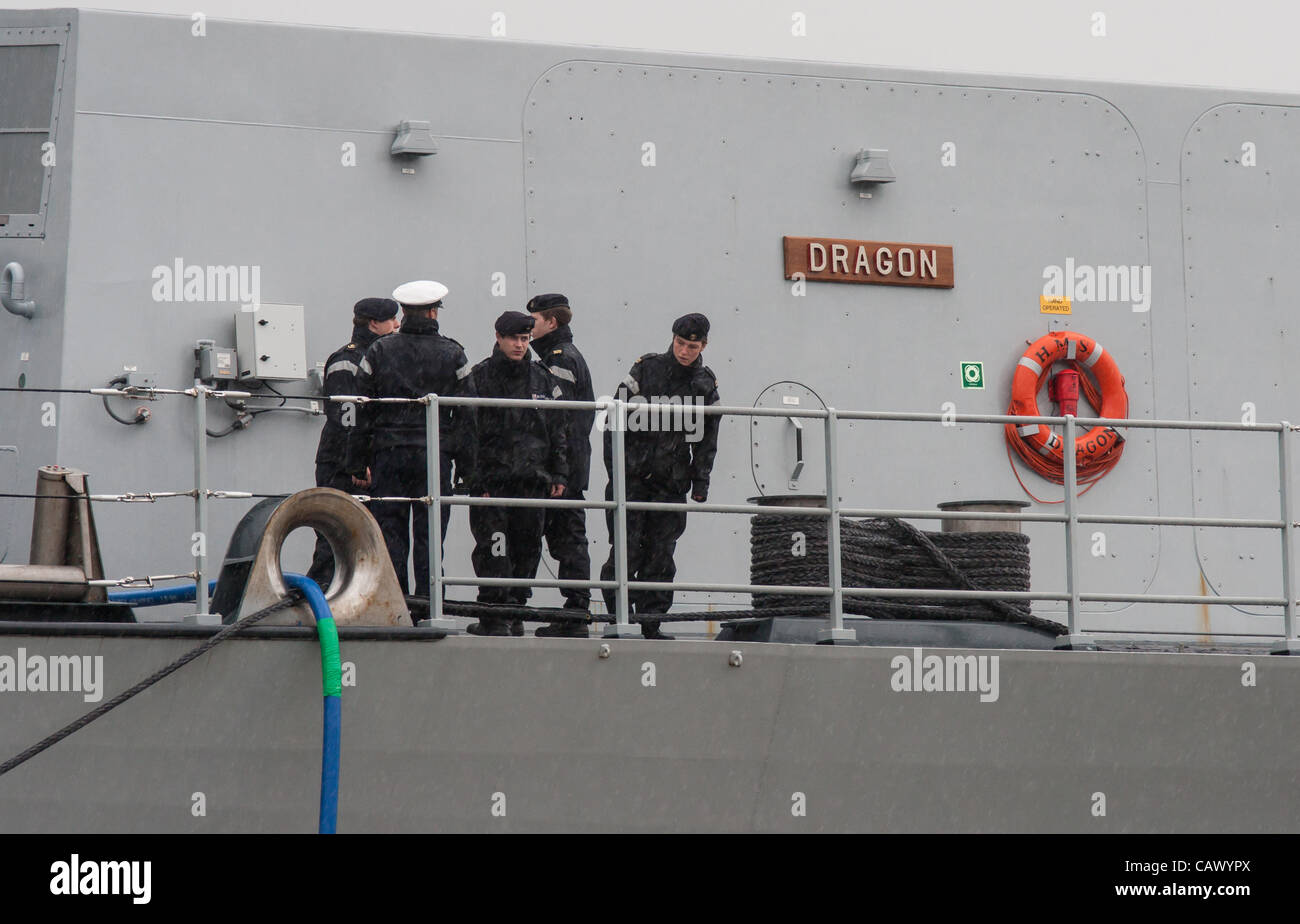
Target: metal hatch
{"type": "Point", "coordinates": [788, 455]}
{"type": "Point", "coordinates": [1240, 237]}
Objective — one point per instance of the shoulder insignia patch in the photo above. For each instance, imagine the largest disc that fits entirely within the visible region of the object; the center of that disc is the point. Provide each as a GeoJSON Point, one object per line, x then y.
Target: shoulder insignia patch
{"type": "Point", "coordinates": [553, 352]}
{"type": "Point", "coordinates": [350, 346]}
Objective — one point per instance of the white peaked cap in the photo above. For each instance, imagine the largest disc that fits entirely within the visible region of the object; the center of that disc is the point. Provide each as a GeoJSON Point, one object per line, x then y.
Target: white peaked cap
{"type": "Point", "coordinates": [420, 293]}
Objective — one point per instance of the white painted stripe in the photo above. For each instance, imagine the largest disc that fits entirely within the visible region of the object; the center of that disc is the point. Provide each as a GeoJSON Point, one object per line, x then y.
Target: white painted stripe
{"type": "Point", "coordinates": [464, 371]}
{"type": "Point", "coordinates": [1027, 429]}
{"type": "Point", "coordinates": [1030, 364]}
{"type": "Point", "coordinates": [632, 385]}
{"type": "Point", "coordinates": [1071, 348]}
{"type": "Point", "coordinates": [342, 365]}
{"type": "Point", "coordinates": [561, 373]}
{"type": "Point", "coordinates": [1096, 355]}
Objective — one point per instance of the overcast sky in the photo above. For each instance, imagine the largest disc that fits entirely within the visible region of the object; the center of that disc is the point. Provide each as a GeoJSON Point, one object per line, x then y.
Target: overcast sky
{"type": "Point", "coordinates": [1242, 43]}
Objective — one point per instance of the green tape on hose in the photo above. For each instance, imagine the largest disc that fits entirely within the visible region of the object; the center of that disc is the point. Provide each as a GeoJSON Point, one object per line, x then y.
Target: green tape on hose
{"type": "Point", "coordinates": [331, 670]}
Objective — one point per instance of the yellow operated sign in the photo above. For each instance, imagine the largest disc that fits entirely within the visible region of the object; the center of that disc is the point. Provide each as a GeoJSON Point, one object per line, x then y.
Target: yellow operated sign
{"type": "Point", "coordinates": [1053, 304]}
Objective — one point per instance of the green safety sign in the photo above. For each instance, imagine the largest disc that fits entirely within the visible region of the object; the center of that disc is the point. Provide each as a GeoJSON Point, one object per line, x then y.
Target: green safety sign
{"type": "Point", "coordinates": [972, 375]}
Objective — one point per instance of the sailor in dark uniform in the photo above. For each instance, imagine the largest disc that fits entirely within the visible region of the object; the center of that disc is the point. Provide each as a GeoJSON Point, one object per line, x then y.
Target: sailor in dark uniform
{"type": "Point", "coordinates": [668, 454]}
{"type": "Point", "coordinates": [515, 452]}
{"type": "Point", "coordinates": [390, 438]}
{"type": "Point", "coordinates": [566, 530]}
{"type": "Point", "coordinates": [372, 318]}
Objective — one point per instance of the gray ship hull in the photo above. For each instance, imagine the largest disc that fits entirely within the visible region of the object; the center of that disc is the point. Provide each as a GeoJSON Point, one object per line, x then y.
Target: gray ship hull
{"type": "Point", "coordinates": [525, 735]}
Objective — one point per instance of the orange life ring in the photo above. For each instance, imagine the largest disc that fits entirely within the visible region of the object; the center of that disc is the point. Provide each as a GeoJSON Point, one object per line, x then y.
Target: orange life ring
{"type": "Point", "coordinates": [1095, 450]}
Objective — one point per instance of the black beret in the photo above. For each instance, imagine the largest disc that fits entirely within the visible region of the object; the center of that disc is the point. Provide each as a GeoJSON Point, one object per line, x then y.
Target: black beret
{"type": "Point", "coordinates": [692, 327]}
{"type": "Point", "coordinates": [376, 309]}
{"type": "Point", "coordinates": [550, 300]}
{"type": "Point", "coordinates": [514, 322]}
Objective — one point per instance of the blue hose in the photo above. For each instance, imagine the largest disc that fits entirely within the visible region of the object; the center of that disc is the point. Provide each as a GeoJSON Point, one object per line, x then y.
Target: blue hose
{"type": "Point", "coordinates": [157, 596]}
{"type": "Point", "coordinates": [331, 676]}
{"type": "Point", "coordinates": [331, 681]}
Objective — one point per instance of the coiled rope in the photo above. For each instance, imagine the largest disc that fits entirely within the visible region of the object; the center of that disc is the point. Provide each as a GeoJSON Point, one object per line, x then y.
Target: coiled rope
{"type": "Point", "coordinates": [889, 553]}
{"type": "Point", "coordinates": [884, 553]}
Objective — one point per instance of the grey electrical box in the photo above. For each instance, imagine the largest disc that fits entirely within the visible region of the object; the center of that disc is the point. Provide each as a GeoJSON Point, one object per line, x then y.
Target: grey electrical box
{"type": "Point", "coordinates": [137, 379]}
{"type": "Point", "coordinates": [271, 342]}
{"type": "Point", "coordinates": [215, 363]}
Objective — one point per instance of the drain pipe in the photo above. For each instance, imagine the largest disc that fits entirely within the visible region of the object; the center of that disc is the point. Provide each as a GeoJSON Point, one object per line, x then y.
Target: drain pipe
{"type": "Point", "coordinates": [12, 290]}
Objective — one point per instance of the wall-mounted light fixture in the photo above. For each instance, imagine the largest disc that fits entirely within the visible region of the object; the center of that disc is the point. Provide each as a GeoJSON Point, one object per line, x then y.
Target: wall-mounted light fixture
{"type": "Point", "coordinates": [414, 139]}
{"type": "Point", "coordinates": [871, 167]}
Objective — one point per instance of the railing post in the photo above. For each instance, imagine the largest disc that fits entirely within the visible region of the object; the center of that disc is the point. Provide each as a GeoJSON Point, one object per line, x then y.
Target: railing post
{"type": "Point", "coordinates": [1289, 643]}
{"type": "Point", "coordinates": [433, 472]}
{"type": "Point", "coordinates": [1075, 639]}
{"type": "Point", "coordinates": [836, 632]}
{"type": "Point", "coordinates": [622, 627]}
{"type": "Point", "coordinates": [202, 616]}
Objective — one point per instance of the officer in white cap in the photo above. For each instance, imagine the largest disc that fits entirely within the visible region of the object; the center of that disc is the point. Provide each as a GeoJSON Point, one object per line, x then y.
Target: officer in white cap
{"type": "Point", "coordinates": [390, 438]}
{"type": "Point", "coordinates": [422, 293]}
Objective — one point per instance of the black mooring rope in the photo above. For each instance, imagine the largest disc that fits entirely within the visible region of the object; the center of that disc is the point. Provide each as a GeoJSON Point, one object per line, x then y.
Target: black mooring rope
{"type": "Point", "coordinates": [145, 684]}
{"type": "Point", "coordinates": [889, 553]}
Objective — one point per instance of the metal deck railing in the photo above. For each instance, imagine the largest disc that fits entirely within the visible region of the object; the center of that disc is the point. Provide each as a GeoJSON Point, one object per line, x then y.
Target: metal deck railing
{"type": "Point", "coordinates": [616, 419]}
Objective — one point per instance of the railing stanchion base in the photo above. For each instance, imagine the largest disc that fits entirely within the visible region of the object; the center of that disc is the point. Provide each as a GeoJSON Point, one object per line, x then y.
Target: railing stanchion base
{"type": "Point", "coordinates": [1287, 646]}
{"type": "Point", "coordinates": [202, 619]}
{"type": "Point", "coordinates": [831, 636]}
{"type": "Point", "coordinates": [1074, 642]}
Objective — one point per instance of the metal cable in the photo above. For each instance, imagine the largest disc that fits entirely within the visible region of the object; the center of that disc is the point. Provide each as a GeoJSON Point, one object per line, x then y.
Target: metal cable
{"type": "Point", "coordinates": [145, 684]}
{"type": "Point", "coordinates": [146, 581]}
{"type": "Point", "coordinates": [147, 497]}
{"type": "Point", "coordinates": [419, 607]}
{"type": "Point", "coordinates": [51, 391]}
